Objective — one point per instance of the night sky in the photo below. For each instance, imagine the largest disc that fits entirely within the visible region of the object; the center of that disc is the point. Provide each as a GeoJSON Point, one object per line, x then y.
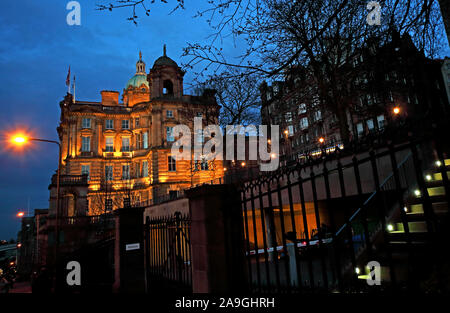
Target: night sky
{"type": "Point", "coordinates": [37, 47]}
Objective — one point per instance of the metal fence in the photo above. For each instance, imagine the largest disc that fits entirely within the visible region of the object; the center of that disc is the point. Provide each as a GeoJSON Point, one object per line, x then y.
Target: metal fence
{"type": "Point", "coordinates": [312, 228]}
{"type": "Point", "coordinates": [168, 253]}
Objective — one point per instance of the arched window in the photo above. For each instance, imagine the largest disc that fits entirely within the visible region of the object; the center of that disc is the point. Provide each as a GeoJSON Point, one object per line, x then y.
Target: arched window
{"type": "Point", "coordinates": [167, 87]}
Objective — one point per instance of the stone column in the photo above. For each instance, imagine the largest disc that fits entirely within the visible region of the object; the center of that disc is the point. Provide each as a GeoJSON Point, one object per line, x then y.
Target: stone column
{"type": "Point", "coordinates": [217, 243]}
{"type": "Point", "coordinates": [129, 273]}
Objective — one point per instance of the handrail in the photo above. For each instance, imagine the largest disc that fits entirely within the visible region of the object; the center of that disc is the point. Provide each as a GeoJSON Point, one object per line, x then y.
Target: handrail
{"type": "Point", "coordinates": [247, 185]}
{"type": "Point", "coordinates": [400, 165]}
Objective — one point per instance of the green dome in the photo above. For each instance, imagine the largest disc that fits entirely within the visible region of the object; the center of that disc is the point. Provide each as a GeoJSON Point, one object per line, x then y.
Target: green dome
{"type": "Point", "coordinates": [137, 81]}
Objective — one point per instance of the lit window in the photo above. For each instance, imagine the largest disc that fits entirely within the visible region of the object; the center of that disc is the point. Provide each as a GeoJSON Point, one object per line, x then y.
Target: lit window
{"type": "Point", "coordinates": [86, 123]}
{"type": "Point", "coordinates": [304, 123]}
{"type": "Point", "coordinates": [291, 130]}
{"type": "Point", "coordinates": [302, 108]}
{"type": "Point", "coordinates": [317, 115]}
{"type": "Point", "coordinates": [169, 114]}
{"type": "Point", "coordinates": [288, 117]}
{"type": "Point", "coordinates": [85, 170]}
{"type": "Point", "coordinates": [380, 121]}
{"type": "Point", "coordinates": [109, 172]}
{"type": "Point", "coordinates": [125, 124]}
{"type": "Point", "coordinates": [109, 144]}
{"type": "Point", "coordinates": [370, 124]}
{"type": "Point", "coordinates": [145, 169]}
{"type": "Point", "coordinates": [126, 144]}
{"type": "Point", "coordinates": [169, 134]}
{"type": "Point", "coordinates": [360, 128]}
{"type": "Point", "coordinates": [109, 124]}
{"type": "Point", "coordinates": [172, 164]}
{"type": "Point", "coordinates": [145, 140]}
{"type": "Point", "coordinates": [85, 144]}
{"type": "Point", "coordinates": [125, 171]}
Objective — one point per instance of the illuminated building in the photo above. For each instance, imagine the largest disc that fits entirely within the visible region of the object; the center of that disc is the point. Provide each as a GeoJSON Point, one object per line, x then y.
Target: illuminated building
{"type": "Point", "coordinates": [125, 147]}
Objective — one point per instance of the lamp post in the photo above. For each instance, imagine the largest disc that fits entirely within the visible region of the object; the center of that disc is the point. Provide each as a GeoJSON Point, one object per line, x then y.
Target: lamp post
{"type": "Point", "coordinates": [21, 140]}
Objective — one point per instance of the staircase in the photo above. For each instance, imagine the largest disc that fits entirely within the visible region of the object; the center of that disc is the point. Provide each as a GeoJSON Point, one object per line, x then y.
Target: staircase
{"type": "Point", "coordinates": [411, 247]}
{"type": "Point", "coordinates": [418, 250]}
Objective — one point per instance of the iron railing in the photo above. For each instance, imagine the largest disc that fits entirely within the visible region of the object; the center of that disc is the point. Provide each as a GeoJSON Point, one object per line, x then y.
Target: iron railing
{"type": "Point", "coordinates": [346, 203]}
{"type": "Point", "coordinates": [168, 253]}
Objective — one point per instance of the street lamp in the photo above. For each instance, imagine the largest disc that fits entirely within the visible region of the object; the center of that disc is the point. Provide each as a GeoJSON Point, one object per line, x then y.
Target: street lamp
{"type": "Point", "coordinates": [396, 110]}
{"type": "Point", "coordinates": [20, 140]}
{"type": "Point", "coordinates": [321, 140]}
{"type": "Point", "coordinates": [20, 214]}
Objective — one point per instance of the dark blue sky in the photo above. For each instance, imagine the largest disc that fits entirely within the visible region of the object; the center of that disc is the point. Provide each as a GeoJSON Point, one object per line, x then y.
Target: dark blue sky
{"type": "Point", "coordinates": [37, 47]}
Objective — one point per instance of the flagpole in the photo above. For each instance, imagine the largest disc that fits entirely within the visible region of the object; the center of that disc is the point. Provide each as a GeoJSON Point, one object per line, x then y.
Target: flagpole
{"type": "Point", "coordinates": [73, 88]}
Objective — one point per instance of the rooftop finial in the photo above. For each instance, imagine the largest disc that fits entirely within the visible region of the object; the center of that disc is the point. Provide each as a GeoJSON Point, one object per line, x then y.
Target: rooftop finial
{"type": "Point", "coordinates": [140, 55]}
{"type": "Point", "coordinates": [164, 50]}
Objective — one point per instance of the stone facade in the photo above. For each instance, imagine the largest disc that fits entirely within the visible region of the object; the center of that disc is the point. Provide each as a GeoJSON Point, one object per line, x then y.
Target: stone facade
{"type": "Point", "coordinates": [125, 148]}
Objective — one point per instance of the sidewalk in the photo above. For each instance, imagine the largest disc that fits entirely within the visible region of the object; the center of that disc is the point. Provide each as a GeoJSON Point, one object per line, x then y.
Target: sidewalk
{"type": "Point", "coordinates": [21, 287]}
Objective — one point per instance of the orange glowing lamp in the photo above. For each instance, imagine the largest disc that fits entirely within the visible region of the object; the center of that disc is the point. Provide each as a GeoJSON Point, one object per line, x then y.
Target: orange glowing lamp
{"type": "Point", "coordinates": [19, 140]}
{"type": "Point", "coordinates": [396, 110]}
{"type": "Point", "coordinates": [321, 140]}
{"type": "Point", "coordinates": [20, 214]}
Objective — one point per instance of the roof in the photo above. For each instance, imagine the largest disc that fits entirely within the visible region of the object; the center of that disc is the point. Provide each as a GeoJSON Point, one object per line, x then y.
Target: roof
{"type": "Point", "coordinates": [165, 61]}
{"type": "Point", "coordinates": [137, 81]}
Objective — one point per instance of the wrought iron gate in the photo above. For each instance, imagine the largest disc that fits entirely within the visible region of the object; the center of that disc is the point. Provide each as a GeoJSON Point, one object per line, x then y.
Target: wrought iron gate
{"type": "Point", "coordinates": [168, 253]}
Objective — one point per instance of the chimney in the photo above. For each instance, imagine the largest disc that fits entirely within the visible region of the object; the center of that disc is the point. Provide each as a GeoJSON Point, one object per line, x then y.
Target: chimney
{"type": "Point", "coordinates": [110, 97]}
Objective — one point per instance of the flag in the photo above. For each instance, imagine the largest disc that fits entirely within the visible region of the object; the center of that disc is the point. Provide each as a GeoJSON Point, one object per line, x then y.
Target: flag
{"type": "Point", "coordinates": [68, 78]}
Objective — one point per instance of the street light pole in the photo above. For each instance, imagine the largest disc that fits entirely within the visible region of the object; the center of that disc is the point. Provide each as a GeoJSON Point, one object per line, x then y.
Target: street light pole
{"type": "Point", "coordinates": [58, 177]}
{"type": "Point", "coordinates": [20, 140]}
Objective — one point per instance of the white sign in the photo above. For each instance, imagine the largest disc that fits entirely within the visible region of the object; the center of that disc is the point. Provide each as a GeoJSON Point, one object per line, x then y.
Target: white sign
{"type": "Point", "coordinates": [132, 246]}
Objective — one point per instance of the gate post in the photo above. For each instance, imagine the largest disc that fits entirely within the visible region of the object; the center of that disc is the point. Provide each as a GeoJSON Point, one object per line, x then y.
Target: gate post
{"type": "Point", "coordinates": [129, 274]}
{"type": "Point", "coordinates": [217, 243]}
